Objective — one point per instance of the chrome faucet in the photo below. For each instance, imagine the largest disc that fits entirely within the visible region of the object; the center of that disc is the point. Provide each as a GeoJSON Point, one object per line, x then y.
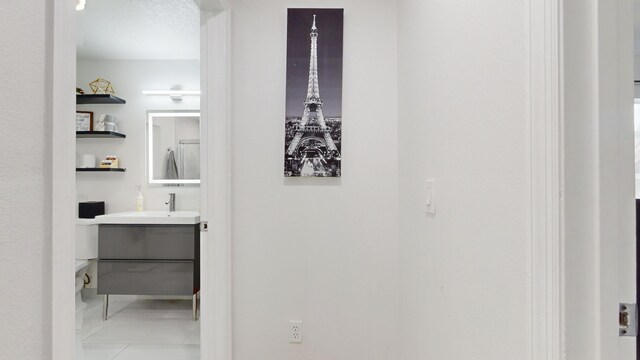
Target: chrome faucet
{"type": "Point", "coordinates": [172, 202]}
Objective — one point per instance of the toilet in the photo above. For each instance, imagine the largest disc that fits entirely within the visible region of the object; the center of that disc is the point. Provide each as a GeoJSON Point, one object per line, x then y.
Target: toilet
{"type": "Point", "coordinates": [86, 252]}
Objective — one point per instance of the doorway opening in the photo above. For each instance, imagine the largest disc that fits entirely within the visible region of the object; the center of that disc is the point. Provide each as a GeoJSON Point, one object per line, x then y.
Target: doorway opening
{"type": "Point", "coordinates": [215, 247]}
{"type": "Point", "coordinates": [138, 169]}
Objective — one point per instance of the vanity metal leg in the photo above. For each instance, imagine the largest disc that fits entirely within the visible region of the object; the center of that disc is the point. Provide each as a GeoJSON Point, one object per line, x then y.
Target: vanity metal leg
{"type": "Point", "coordinates": [105, 307]}
{"type": "Point", "coordinates": [195, 307]}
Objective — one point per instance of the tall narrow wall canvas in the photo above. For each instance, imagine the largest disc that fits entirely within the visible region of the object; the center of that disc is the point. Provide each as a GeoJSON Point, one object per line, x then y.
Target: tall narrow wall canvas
{"type": "Point", "coordinates": [313, 119]}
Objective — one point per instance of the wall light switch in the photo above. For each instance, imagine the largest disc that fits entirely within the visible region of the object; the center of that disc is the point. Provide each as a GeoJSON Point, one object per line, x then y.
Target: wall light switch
{"type": "Point", "coordinates": [430, 203]}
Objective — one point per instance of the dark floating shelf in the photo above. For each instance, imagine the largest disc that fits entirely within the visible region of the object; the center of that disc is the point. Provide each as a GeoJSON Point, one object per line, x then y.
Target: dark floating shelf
{"type": "Point", "coordinates": [99, 134]}
{"type": "Point", "coordinates": [98, 99]}
{"type": "Point", "coordinates": [101, 169]}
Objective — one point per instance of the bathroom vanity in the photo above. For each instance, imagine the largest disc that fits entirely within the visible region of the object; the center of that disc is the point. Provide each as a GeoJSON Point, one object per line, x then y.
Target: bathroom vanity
{"type": "Point", "coordinates": [149, 253]}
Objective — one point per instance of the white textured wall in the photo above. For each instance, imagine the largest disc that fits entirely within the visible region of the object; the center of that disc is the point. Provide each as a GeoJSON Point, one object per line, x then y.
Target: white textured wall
{"type": "Point", "coordinates": [130, 78]}
{"type": "Point", "coordinates": [462, 87]}
{"type": "Point", "coordinates": [636, 70]}
{"type": "Point", "coordinates": [323, 251]}
{"type": "Point", "coordinates": [25, 205]}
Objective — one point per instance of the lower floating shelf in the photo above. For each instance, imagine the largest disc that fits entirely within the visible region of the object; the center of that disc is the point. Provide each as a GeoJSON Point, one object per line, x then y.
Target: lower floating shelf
{"type": "Point", "coordinates": [99, 134]}
{"type": "Point", "coordinates": [101, 169]}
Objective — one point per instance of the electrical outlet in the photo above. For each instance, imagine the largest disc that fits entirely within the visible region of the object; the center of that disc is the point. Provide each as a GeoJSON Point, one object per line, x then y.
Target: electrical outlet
{"type": "Point", "coordinates": [295, 331]}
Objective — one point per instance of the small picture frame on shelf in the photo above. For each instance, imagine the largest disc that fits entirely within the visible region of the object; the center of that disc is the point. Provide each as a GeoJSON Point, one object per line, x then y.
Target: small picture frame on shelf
{"type": "Point", "coordinates": [84, 120]}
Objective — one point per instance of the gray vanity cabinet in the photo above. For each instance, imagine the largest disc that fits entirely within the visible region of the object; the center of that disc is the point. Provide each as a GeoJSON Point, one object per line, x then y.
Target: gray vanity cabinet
{"type": "Point", "coordinates": [148, 259]}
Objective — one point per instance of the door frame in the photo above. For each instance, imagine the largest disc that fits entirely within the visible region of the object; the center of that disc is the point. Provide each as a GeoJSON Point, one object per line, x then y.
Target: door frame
{"type": "Point", "coordinates": [215, 173]}
{"type": "Point", "coordinates": [583, 217]}
{"type": "Point", "coordinates": [62, 66]}
{"type": "Point", "coordinates": [216, 244]}
{"type": "Point", "coordinates": [545, 164]}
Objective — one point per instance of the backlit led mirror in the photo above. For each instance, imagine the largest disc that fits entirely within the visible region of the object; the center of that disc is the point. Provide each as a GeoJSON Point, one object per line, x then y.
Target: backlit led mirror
{"type": "Point", "coordinates": [173, 152]}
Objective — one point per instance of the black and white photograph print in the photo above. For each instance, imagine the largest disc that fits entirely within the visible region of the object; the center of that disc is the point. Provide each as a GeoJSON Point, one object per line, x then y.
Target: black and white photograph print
{"type": "Point", "coordinates": [313, 119]}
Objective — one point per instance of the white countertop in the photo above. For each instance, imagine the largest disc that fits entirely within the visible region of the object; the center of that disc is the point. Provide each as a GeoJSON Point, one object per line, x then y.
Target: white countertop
{"type": "Point", "coordinates": [86, 221]}
{"type": "Point", "coordinates": [150, 217]}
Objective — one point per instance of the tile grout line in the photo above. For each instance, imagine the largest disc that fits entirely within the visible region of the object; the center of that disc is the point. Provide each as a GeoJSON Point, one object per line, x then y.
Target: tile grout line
{"type": "Point", "coordinates": [121, 351]}
{"type": "Point", "coordinates": [189, 336]}
{"type": "Point", "coordinates": [90, 335]}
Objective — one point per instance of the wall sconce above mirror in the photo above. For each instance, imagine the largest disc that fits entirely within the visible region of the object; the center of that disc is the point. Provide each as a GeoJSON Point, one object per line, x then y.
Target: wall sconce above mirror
{"type": "Point", "coordinates": [173, 151]}
{"type": "Point", "coordinates": [175, 95]}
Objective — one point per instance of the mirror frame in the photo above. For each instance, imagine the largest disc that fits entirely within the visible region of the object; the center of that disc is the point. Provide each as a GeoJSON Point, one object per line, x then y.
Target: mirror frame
{"type": "Point", "coordinates": [149, 137]}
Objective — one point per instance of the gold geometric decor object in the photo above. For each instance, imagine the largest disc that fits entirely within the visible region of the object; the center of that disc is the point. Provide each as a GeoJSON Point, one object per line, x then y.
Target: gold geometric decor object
{"type": "Point", "coordinates": [101, 86]}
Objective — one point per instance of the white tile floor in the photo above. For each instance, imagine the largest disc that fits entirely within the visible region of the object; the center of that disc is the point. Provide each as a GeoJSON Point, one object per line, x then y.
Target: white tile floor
{"type": "Point", "coordinates": [139, 329]}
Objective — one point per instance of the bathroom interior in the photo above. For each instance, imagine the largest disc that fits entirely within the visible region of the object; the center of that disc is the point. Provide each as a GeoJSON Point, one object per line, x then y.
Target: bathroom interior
{"type": "Point", "coordinates": [137, 180]}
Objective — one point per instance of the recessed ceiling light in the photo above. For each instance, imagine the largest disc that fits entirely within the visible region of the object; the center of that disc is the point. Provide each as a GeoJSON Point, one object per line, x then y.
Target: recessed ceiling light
{"type": "Point", "coordinates": [81, 4]}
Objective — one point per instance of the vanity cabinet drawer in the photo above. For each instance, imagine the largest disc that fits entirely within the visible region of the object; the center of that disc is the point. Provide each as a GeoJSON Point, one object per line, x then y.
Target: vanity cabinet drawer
{"type": "Point", "coordinates": [146, 277]}
{"type": "Point", "coordinates": [148, 242]}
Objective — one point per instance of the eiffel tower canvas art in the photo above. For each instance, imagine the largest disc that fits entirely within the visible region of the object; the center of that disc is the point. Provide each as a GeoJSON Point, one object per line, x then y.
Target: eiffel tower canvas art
{"type": "Point", "coordinates": [313, 124]}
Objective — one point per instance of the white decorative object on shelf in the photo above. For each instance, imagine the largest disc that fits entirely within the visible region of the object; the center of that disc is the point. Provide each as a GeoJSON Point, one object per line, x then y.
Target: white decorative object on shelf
{"type": "Point", "coordinates": [106, 123]}
{"type": "Point", "coordinates": [88, 161]}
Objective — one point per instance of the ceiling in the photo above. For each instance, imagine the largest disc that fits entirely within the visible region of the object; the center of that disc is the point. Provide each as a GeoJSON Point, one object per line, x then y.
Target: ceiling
{"type": "Point", "coordinates": [159, 29]}
{"type": "Point", "coordinates": [139, 30]}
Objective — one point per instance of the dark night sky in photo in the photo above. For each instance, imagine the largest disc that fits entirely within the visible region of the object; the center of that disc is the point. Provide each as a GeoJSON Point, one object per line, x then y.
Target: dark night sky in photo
{"type": "Point", "coordinates": [330, 31]}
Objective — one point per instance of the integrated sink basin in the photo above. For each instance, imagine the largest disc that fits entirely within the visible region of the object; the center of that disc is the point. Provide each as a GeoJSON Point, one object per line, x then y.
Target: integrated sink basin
{"type": "Point", "coordinates": [151, 217]}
